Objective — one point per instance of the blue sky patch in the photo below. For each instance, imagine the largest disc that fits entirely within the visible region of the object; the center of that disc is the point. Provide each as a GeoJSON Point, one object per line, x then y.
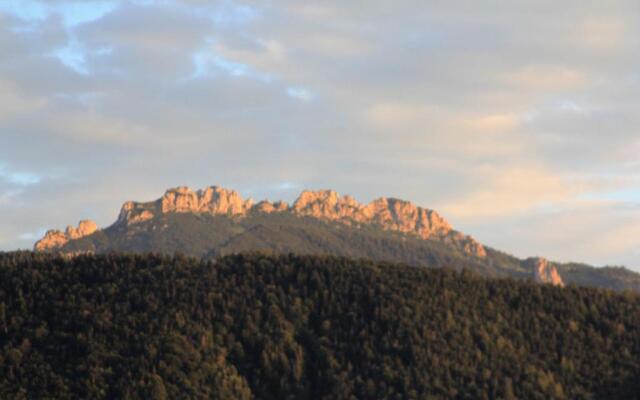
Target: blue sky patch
{"type": "Point", "coordinates": [300, 93]}
{"type": "Point", "coordinates": [18, 178]}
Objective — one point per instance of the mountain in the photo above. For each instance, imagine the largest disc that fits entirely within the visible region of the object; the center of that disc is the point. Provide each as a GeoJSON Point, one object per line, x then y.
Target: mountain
{"type": "Point", "coordinates": [303, 327]}
{"type": "Point", "coordinates": [215, 221]}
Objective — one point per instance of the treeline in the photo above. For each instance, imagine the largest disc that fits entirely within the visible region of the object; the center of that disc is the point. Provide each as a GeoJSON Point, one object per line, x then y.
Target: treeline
{"type": "Point", "coordinates": [292, 327]}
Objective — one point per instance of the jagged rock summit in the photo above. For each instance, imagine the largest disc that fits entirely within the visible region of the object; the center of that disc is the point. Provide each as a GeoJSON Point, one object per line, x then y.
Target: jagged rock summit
{"type": "Point", "coordinates": [544, 271]}
{"type": "Point", "coordinates": [54, 239]}
{"type": "Point", "coordinates": [214, 220]}
{"type": "Point", "coordinates": [212, 200]}
{"type": "Point", "coordinates": [386, 213]}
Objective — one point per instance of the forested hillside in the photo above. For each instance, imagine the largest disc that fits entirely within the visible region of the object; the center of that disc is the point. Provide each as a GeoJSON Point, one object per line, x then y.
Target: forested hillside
{"type": "Point", "coordinates": [296, 327]}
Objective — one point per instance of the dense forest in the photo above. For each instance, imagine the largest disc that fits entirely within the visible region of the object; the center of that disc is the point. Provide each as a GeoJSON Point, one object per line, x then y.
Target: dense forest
{"type": "Point", "coordinates": [303, 327]}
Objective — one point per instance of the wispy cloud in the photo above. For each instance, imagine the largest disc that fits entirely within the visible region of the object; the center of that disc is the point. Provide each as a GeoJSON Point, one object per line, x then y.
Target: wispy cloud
{"type": "Point", "coordinates": [506, 117]}
{"type": "Point", "coordinates": [300, 93]}
{"type": "Point", "coordinates": [206, 64]}
{"type": "Point", "coordinates": [18, 178]}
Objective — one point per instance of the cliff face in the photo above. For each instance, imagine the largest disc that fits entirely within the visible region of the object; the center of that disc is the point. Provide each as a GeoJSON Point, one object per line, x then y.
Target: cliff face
{"type": "Point", "coordinates": [543, 271]}
{"type": "Point", "coordinates": [55, 239]}
{"type": "Point", "coordinates": [386, 213]}
{"type": "Point", "coordinates": [212, 200]}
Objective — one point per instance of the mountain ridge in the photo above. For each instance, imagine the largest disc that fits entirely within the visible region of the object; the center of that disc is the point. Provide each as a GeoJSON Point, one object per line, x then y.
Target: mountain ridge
{"type": "Point", "coordinates": [216, 221]}
{"type": "Point", "coordinates": [390, 213]}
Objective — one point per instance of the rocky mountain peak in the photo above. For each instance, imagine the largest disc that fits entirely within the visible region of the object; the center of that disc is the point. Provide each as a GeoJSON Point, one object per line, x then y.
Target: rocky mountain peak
{"type": "Point", "coordinates": [325, 204]}
{"type": "Point", "coordinates": [54, 239]}
{"type": "Point", "coordinates": [405, 216]}
{"type": "Point", "coordinates": [214, 200]}
{"type": "Point", "coordinates": [544, 271]}
{"type": "Point", "coordinates": [387, 213]}
{"type": "Point", "coordinates": [133, 213]}
{"type": "Point", "coordinates": [310, 197]}
{"type": "Point", "coordinates": [85, 228]}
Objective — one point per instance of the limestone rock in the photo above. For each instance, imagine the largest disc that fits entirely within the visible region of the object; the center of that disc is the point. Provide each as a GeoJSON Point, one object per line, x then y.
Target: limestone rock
{"type": "Point", "coordinates": [180, 199]}
{"type": "Point", "coordinates": [326, 204]}
{"type": "Point", "coordinates": [403, 216]}
{"type": "Point", "coordinates": [388, 213]}
{"type": "Point", "coordinates": [133, 213]}
{"type": "Point", "coordinates": [268, 207]}
{"type": "Point", "coordinates": [544, 272]}
{"type": "Point", "coordinates": [55, 239]}
{"type": "Point", "coordinates": [472, 246]}
{"type": "Point", "coordinates": [85, 228]}
{"type": "Point", "coordinates": [213, 200]}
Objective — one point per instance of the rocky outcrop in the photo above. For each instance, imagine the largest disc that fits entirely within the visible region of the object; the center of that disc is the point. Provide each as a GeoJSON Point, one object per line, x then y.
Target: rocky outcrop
{"type": "Point", "coordinates": [55, 239]}
{"type": "Point", "coordinates": [391, 214]}
{"type": "Point", "coordinates": [85, 228]}
{"type": "Point", "coordinates": [543, 271]}
{"type": "Point", "coordinates": [212, 200]}
{"type": "Point", "coordinates": [403, 216]}
{"type": "Point", "coordinates": [133, 213]}
{"type": "Point", "coordinates": [326, 204]}
{"type": "Point", "coordinates": [268, 207]}
{"type": "Point", "coordinates": [386, 213]}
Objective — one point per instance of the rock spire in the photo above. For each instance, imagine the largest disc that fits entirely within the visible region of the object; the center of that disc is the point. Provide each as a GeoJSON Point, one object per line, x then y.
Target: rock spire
{"type": "Point", "coordinates": [543, 271]}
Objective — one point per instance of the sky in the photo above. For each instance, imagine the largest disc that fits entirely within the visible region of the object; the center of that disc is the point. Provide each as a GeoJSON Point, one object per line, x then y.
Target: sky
{"type": "Point", "coordinates": [519, 122]}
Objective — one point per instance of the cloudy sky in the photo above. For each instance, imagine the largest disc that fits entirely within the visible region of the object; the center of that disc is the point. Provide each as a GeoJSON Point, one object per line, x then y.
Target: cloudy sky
{"type": "Point", "coordinates": [518, 121]}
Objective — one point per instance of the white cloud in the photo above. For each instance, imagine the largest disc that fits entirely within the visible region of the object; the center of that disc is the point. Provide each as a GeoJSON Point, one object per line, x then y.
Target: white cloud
{"type": "Point", "coordinates": [14, 102]}
{"type": "Point", "coordinates": [206, 61]}
{"type": "Point", "coordinates": [547, 79]}
{"type": "Point", "coordinates": [502, 116]}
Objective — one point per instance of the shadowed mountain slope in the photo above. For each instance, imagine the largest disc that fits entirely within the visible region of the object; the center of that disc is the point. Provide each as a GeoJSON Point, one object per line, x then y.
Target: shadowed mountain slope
{"type": "Point", "coordinates": [216, 221]}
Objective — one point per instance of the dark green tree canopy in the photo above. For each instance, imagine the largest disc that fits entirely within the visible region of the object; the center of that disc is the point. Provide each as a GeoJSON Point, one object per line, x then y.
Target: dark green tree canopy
{"type": "Point", "coordinates": [295, 327]}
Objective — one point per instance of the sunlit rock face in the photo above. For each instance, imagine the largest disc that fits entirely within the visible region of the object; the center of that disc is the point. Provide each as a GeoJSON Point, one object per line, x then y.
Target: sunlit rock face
{"type": "Point", "coordinates": [268, 207]}
{"type": "Point", "coordinates": [133, 213]}
{"type": "Point", "coordinates": [326, 204]}
{"type": "Point", "coordinates": [54, 239]}
{"type": "Point", "coordinates": [543, 271]}
{"type": "Point", "coordinates": [85, 228]}
{"type": "Point", "coordinates": [212, 200]}
{"type": "Point", "coordinates": [386, 213]}
{"type": "Point", "coordinates": [403, 216]}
